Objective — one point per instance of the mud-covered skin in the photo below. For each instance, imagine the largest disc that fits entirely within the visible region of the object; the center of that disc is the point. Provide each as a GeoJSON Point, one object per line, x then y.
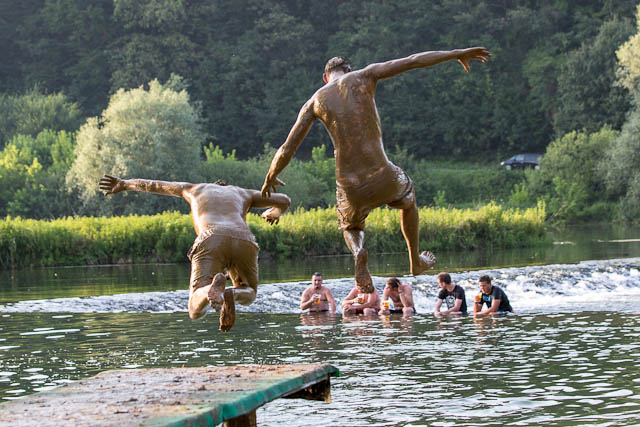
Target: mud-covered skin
{"type": "Point", "coordinates": [224, 243]}
{"type": "Point", "coordinates": [365, 177]}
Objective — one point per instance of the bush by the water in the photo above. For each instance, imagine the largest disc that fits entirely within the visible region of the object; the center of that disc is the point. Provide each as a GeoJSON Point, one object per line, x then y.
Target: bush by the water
{"type": "Point", "coordinates": [167, 237]}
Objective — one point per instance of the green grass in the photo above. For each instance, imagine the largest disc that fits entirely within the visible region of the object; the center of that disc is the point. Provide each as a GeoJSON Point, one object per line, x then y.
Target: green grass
{"type": "Point", "coordinates": [168, 236]}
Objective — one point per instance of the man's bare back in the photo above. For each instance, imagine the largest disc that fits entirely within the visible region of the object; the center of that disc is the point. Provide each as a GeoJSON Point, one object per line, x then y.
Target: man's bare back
{"type": "Point", "coordinates": [224, 242]}
{"type": "Point", "coordinates": [347, 108]}
{"type": "Point", "coordinates": [365, 177]}
{"type": "Point", "coordinates": [213, 204]}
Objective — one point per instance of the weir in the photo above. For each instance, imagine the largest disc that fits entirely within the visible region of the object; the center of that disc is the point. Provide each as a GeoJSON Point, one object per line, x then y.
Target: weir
{"type": "Point", "coordinates": [531, 288]}
{"type": "Point", "coordinates": [205, 396]}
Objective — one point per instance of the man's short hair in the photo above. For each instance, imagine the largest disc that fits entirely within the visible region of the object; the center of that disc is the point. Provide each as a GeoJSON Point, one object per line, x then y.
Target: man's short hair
{"type": "Point", "coordinates": [444, 278]}
{"type": "Point", "coordinates": [485, 279]}
{"type": "Point", "coordinates": [337, 63]}
{"type": "Point", "coordinates": [316, 274]}
{"type": "Point", "coordinates": [393, 282]}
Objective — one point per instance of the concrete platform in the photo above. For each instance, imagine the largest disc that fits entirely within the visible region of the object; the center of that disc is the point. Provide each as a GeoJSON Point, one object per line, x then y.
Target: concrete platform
{"type": "Point", "coordinates": [170, 397]}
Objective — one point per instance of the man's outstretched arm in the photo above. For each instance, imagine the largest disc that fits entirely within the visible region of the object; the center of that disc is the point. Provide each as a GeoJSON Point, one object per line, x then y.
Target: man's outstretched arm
{"type": "Point", "coordinates": [112, 185]}
{"type": "Point", "coordinates": [384, 70]}
{"type": "Point", "coordinates": [286, 151]}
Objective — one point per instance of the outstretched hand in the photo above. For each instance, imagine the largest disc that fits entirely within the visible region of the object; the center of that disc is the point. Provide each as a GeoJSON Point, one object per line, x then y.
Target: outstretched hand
{"type": "Point", "coordinates": [111, 184]}
{"type": "Point", "coordinates": [269, 186]}
{"type": "Point", "coordinates": [474, 53]}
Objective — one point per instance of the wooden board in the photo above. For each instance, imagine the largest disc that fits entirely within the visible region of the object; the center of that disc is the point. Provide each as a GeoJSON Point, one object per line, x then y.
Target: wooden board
{"type": "Point", "coordinates": [175, 396]}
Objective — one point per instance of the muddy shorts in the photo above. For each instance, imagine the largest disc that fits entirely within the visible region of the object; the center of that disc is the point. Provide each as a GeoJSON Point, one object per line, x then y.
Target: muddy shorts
{"type": "Point", "coordinates": [391, 187]}
{"type": "Point", "coordinates": [219, 249]}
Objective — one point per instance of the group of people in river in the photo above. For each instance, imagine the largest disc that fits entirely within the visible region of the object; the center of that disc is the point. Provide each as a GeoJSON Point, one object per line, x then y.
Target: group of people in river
{"type": "Point", "coordinates": [397, 297]}
{"type": "Point", "coordinates": [225, 248]}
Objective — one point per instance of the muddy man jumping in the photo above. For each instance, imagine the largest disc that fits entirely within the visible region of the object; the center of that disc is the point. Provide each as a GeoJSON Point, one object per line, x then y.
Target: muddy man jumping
{"type": "Point", "coordinates": [224, 241]}
{"type": "Point", "coordinates": [365, 178]}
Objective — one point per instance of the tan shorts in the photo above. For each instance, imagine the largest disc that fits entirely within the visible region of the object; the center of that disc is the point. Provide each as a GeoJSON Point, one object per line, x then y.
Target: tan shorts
{"type": "Point", "coordinates": [215, 252]}
{"type": "Point", "coordinates": [393, 188]}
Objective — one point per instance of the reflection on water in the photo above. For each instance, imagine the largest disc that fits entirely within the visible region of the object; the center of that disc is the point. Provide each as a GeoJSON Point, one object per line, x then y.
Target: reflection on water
{"type": "Point", "coordinates": [588, 285]}
{"type": "Point", "coordinates": [568, 357]}
{"type": "Point", "coordinates": [532, 369]}
{"type": "Point", "coordinates": [578, 244]}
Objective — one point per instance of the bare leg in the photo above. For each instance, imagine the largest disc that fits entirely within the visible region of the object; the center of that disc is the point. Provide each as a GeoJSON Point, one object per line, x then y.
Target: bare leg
{"type": "Point", "coordinates": [216, 290]}
{"type": "Point", "coordinates": [198, 302]}
{"type": "Point", "coordinates": [228, 312]}
{"type": "Point", "coordinates": [355, 240]}
{"type": "Point", "coordinates": [209, 294]}
{"type": "Point", "coordinates": [242, 292]}
{"type": "Point", "coordinates": [410, 230]}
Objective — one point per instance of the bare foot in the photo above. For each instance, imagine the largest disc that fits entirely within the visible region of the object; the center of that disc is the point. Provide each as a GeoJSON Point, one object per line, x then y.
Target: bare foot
{"type": "Point", "coordinates": [427, 260]}
{"type": "Point", "coordinates": [228, 313]}
{"type": "Point", "coordinates": [215, 291]}
{"type": "Point", "coordinates": [363, 278]}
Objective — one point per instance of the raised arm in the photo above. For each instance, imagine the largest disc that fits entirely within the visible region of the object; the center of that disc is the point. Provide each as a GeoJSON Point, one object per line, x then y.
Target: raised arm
{"type": "Point", "coordinates": [112, 185]}
{"type": "Point", "coordinates": [283, 156]}
{"type": "Point", "coordinates": [384, 70]}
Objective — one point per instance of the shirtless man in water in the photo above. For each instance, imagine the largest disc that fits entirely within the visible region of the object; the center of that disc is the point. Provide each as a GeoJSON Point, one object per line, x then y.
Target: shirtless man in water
{"type": "Point", "coordinates": [365, 178]}
{"type": "Point", "coordinates": [317, 297]}
{"type": "Point", "coordinates": [224, 240]}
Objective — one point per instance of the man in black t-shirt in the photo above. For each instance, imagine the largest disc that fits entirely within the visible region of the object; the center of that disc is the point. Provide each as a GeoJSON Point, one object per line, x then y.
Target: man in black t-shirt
{"type": "Point", "coordinates": [495, 298]}
{"type": "Point", "coordinates": [452, 295]}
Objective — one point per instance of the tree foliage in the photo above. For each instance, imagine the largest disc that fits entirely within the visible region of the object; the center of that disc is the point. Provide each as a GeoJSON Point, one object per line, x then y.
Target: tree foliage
{"type": "Point", "coordinates": [589, 94]}
{"type": "Point", "coordinates": [252, 63]}
{"type": "Point", "coordinates": [33, 112]}
{"type": "Point", "coordinates": [570, 179]}
{"type": "Point", "coordinates": [144, 133]}
{"type": "Point", "coordinates": [32, 172]}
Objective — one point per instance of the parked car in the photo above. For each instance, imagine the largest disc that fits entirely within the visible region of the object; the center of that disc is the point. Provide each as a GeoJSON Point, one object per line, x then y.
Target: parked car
{"type": "Point", "coordinates": [522, 161]}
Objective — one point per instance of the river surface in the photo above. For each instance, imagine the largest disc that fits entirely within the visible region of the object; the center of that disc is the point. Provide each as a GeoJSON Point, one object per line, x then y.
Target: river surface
{"type": "Point", "coordinates": [568, 356]}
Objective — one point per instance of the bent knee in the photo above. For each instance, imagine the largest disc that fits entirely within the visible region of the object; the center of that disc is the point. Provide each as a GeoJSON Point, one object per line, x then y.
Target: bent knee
{"type": "Point", "coordinates": [245, 297]}
{"type": "Point", "coordinates": [195, 315]}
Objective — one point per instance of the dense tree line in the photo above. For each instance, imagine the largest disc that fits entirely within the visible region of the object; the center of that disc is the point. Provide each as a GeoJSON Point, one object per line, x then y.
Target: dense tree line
{"type": "Point", "coordinates": [250, 64]}
{"type": "Point", "coordinates": [186, 90]}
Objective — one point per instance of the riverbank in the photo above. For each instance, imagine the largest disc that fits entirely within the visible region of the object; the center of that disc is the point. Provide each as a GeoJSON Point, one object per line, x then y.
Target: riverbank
{"type": "Point", "coordinates": [168, 236]}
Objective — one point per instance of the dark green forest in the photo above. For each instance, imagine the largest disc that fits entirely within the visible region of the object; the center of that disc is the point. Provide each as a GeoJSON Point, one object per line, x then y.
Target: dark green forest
{"type": "Point", "coordinates": [250, 64]}
{"type": "Point", "coordinates": [199, 90]}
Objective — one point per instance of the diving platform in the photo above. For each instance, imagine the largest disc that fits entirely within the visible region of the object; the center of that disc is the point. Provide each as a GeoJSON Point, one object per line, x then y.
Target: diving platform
{"type": "Point", "coordinates": [208, 396]}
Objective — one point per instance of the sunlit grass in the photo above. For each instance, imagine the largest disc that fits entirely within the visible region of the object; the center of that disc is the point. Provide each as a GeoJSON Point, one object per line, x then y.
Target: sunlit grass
{"type": "Point", "coordinates": [167, 237]}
